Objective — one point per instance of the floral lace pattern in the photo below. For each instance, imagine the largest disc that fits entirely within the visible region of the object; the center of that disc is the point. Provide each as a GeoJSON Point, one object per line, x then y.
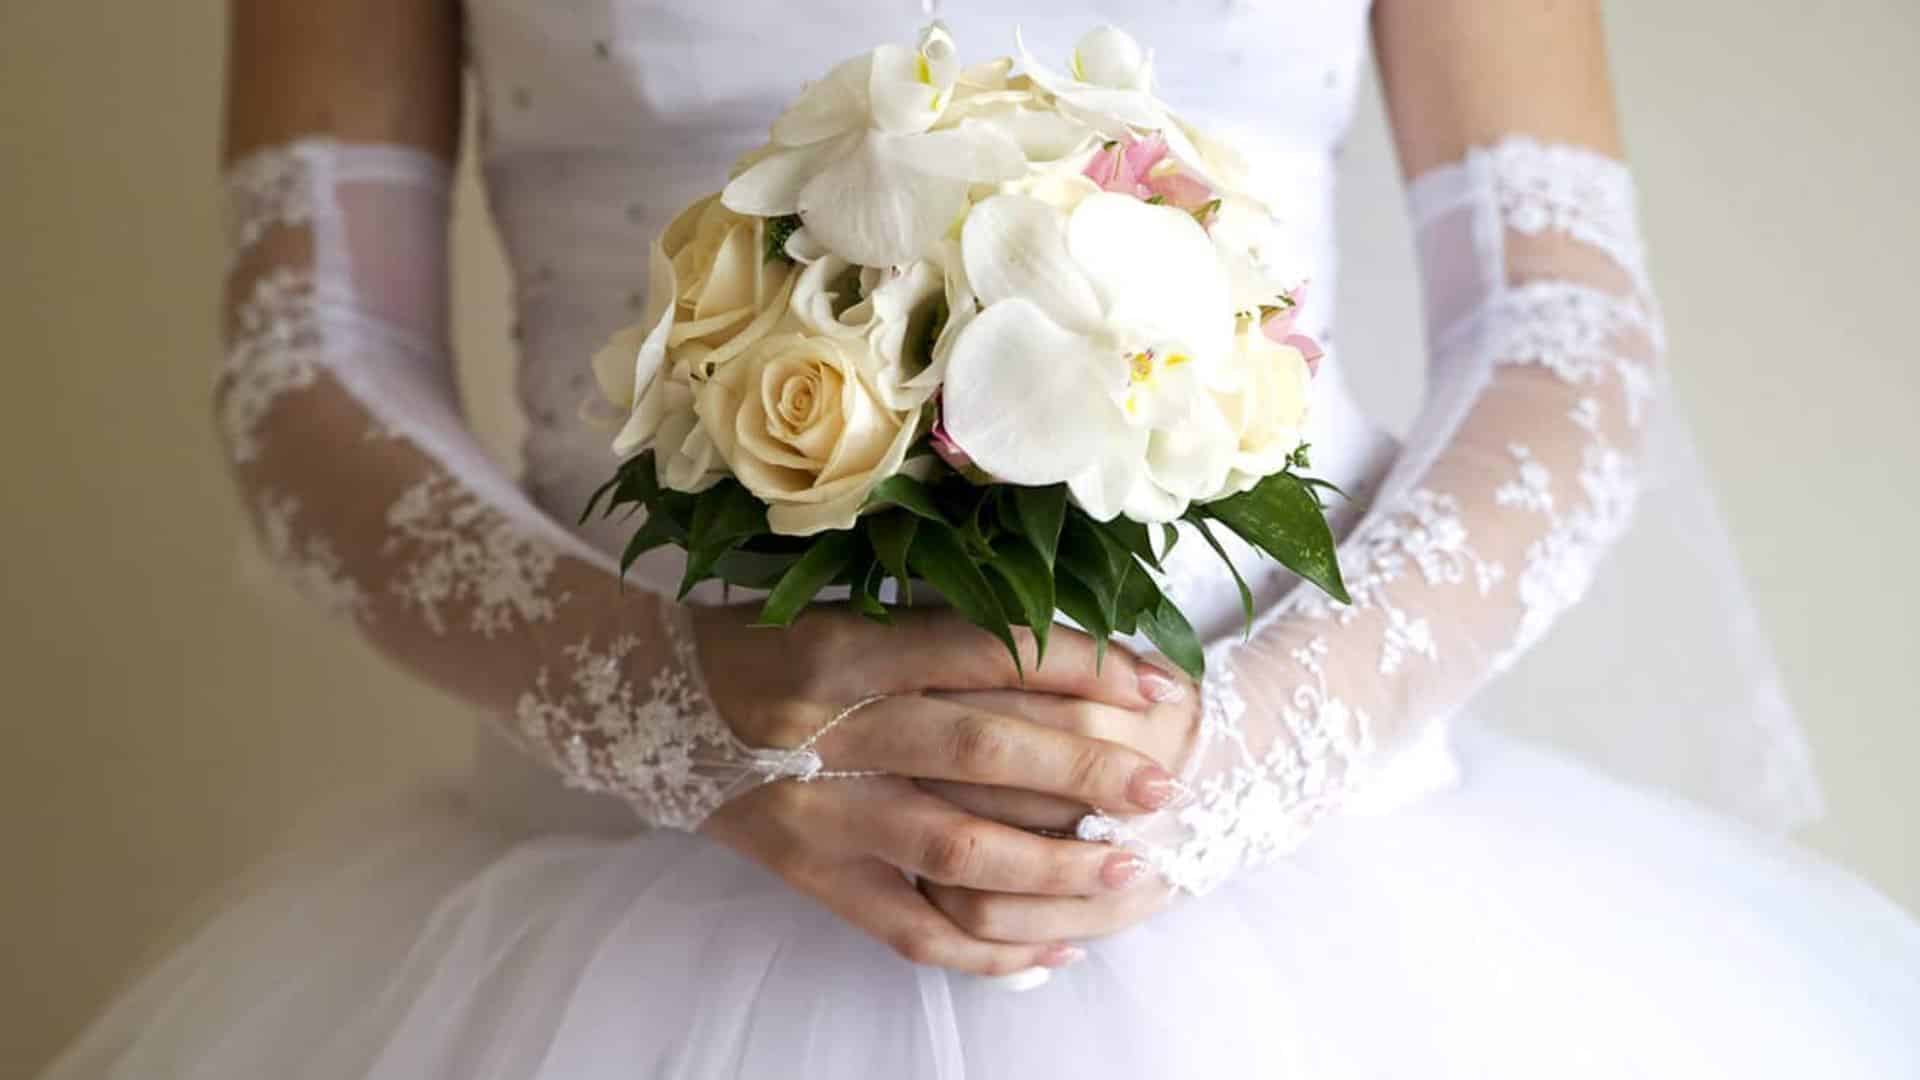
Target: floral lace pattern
{"type": "Point", "coordinates": [1265, 805]}
{"type": "Point", "coordinates": [1492, 535]}
{"type": "Point", "coordinates": [310, 564]}
{"type": "Point", "coordinates": [1429, 536]}
{"type": "Point", "coordinates": [1540, 187]}
{"type": "Point", "coordinates": [272, 350]}
{"type": "Point", "coordinates": [462, 551]}
{"type": "Point", "coordinates": [271, 188]}
{"type": "Point", "coordinates": [653, 740]}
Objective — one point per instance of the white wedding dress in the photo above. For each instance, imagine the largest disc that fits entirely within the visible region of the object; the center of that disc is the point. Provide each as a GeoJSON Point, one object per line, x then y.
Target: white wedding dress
{"type": "Point", "coordinates": [1471, 905]}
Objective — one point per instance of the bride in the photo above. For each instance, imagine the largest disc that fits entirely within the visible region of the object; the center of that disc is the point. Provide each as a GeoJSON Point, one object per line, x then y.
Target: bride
{"type": "Point", "coordinates": [691, 848]}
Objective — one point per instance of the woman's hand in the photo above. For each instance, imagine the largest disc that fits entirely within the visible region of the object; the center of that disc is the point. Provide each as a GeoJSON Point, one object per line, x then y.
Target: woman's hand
{"type": "Point", "coordinates": [850, 843]}
{"type": "Point", "coordinates": [1164, 733]}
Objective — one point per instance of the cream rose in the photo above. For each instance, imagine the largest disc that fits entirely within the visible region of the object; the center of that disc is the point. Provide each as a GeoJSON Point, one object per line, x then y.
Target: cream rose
{"type": "Point", "coordinates": [1266, 408]}
{"type": "Point", "coordinates": [711, 293]}
{"type": "Point", "coordinates": [722, 278]}
{"type": "Point", "coordinates": [797, 421]}
{"type": "Point", "coordinates": [895, 309]}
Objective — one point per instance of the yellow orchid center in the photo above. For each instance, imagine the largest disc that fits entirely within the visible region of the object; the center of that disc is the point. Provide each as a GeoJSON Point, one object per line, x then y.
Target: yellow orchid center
{"type": "Point", "coordinates": [1143, 368]}
{"type": "Point", "coordinates": [1079, 69]}
{"type": "Point", "coordinates": [923, 69]}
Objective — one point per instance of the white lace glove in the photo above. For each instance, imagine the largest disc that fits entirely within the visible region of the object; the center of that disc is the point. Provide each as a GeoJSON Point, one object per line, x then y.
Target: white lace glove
{"type": "Point", "coordinates": [1520, 471]}
{"type": "Point", "coordinates": [338, 405]}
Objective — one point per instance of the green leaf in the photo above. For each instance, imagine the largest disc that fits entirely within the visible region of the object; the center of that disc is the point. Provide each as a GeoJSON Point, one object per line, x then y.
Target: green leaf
{"type": "Point", "coordinates": [724, 517]}
{"type": "Point", "coordinates": [778, 230]}
{"type": "Point", "coordinates": [1137, 594]}
{"type": "Point", "coordinates": [754, 569]}
{"type": "Point", "coordinates": [1172, 535]}
{"type": "Point", "coordinates": [639, 484]}
{"type": "Point", "coordinates": [825, 559]}
{"type": "Point", "coordinates": [1167, 627]}
{"type": "Point", "coordinates": [1282, 517]}
{"type": "Point", "coordinates": [1246, 594]}
{"type": "Point", "coordinates": [1100, 564]}
{"type": "Point", "coordinates": [1040, 512]}
{"type": "Point", "coordinates": [891, 535]}
{"type": "Point", "coordinates": [658, 530]}
{"type": "Point", "coordinates": [1132, 536]}
{"type": "Point", "coordinates": [727, 511]}
{"type": "Point", "coordinates": [939, 555]}
{"type": "Point", "coordinates": [980, 529]}
{"type": "Point", "coordinates": [908, 494]}
{"type": "Point", "coordinates": [599, 493]}
{"type": "Point", "coordinates": [864, 575]}
{"type": "Point", "coordinates": [1078, 603]}
{"type": "Point", "coordinates": [1019, 565]}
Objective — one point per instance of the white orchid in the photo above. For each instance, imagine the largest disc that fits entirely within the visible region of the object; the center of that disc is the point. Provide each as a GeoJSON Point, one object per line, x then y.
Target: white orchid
{"type": "Point", "coordinates": [859, 158]}
{"type": "Point", "coordinates": [1109, 87]}
{"type": "Point", "coordinates": [1101, 331]}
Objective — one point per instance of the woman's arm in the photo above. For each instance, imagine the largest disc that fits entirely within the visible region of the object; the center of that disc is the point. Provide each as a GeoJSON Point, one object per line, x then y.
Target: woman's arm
{"type": "Point", "coordinates": [1521, 469]}
{"type": "Point", "coordinates": [337, 404]}
{"type": "Point", "coordinates": [1461, 74]}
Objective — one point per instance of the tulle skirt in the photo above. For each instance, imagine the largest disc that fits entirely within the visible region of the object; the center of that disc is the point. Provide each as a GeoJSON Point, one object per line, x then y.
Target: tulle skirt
{"type": "Point", "coordinates": [1537, 921]}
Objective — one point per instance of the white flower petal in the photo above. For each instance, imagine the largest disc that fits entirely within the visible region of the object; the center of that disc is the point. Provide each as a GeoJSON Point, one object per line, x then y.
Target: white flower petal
{"type": "Point", "coordinates": [1148, 502]}
{"type": "Point", "coordinates": [1110, 110]}
{"type": "Point", "coordinates": [1109, 56]}
{"type": "Point", "coordinates": [816, 294]}
{"type": "Point", "coordinates": [833, 106]}
{"type": "Point", "coordinates": [1107, 487]}
{"type": "Point", "coordinates": [1223, 167]}
{"type": "Point", "coordinates": [962, 308]}
{"type": "Point", "coordinates": [613, 365]}
{"type": "Point", "coordinates": [772, 186]}
{"type": "Point", "coordinates": [1021, 398]}
{"type": "Point", "coordinates": [626, 377]}
{"type": "Point", "coordinates": [1015, 247]}
{"type": "Point", "coordinates": [974, 152]}
{"type": "Point", "coordinates": [1262, 259]}
{"type": "Point", "coordinates": [802, 248]}
{"type": "Point", "coordinates": [868, 209]}
{"type": "Point", "coordinates": [1155, 271]}
{"type": "Point", "coordinates": [905, 90]}
{"type": "Point", "coordinates": [1191, 460]}
{"type": "Point", "coordinates": [1044, 135]}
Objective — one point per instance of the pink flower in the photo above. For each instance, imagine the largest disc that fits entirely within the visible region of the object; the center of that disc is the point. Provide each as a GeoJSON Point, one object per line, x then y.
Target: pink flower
{"type": "Point", "coordinates": [1279, 328]}
{"type": "Point", "coordinates": [1141, 168]}
{"type": "Point", "coordinates": [944, 446]}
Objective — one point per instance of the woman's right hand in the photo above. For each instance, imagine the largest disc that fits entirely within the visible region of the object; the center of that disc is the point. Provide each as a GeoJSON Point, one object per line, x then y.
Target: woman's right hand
{"type": "Point", "coordinates": [851, 843]}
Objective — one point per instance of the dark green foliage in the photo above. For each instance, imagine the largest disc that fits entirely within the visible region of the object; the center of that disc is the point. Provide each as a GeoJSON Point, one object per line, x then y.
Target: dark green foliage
{"type": "Point", "coordinates": [1002, 556]}
{"type": "Point", "coordinates": [778, 231]}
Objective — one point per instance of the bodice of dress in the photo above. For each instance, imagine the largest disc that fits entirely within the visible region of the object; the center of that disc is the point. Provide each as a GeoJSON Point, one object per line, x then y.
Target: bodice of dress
{"type": "Point", "coordinates": [603, 118]}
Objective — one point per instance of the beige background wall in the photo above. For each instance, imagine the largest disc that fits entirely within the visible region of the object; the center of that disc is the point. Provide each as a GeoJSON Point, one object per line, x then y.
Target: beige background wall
{"type": "Point", "coordinates": [163, 722]}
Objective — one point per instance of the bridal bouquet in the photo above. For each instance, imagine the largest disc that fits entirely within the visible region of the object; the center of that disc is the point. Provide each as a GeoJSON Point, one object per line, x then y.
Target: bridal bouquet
{"type": "Point", "coordinates": [989, 333]}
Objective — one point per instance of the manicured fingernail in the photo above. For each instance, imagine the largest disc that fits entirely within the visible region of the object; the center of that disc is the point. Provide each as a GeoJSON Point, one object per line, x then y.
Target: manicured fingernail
{"type": "Point", "coordinates": [1159, 687]}
{"type": "Point", "coordinates": [1122, 870]}
{"type": "Point", "coordinates": [1059, 956]}
{"type": "Point", "coordinates": [1157, 789]}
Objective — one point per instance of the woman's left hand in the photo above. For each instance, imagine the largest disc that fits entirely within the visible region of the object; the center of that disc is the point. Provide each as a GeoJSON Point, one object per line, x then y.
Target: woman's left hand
{"type": "Point", "coordinates": [1164, 733]}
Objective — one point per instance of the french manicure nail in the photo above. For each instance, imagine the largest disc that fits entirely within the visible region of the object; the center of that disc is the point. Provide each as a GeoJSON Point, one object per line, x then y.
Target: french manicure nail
{"type": "Point", "coordinates": [1159, 687]}
{"type": "Point", "coordinates": [1157, 789]}
{"type": "Point", "coordinates": [1059, 956]}
{"type": "Point", "coordinates": [1121, 870]}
